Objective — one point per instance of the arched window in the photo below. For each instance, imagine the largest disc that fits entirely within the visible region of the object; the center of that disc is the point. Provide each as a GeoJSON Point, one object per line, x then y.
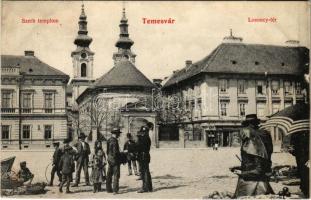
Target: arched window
{"type": "Point", "coordinates": [83, 70]}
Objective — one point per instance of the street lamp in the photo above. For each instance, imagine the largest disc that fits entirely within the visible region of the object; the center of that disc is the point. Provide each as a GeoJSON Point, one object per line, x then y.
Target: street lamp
{"type": "Point", "coordinates": [21, 79]}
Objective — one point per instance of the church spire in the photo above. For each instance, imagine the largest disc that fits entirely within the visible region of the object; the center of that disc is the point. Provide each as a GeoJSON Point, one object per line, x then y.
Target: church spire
{"type": "Point", "coordinates": [124, 41]}
{"type": "Point", "coordinates": [83, 39]}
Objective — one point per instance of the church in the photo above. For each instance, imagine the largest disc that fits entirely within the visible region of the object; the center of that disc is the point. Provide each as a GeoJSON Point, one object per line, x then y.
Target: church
{"type": "Point", "coordinates": [120, 98]}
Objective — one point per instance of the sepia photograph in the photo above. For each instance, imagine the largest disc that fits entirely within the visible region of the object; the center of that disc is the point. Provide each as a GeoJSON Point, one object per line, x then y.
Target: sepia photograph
{"type": "Point", "coordinates": [155, 99]}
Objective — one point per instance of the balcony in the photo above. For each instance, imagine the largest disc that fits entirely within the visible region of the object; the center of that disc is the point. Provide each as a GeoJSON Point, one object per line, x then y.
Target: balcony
{"type": "Point", "coordinates": [26, 110]}
{"type": "Point", "coordinates": [47, 111]}
{"type": "Point", "coordinates": [8, 110]}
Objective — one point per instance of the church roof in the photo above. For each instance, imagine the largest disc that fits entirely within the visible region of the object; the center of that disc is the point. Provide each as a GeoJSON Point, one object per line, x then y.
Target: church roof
{"type": "Point", "coordinates": [31, 65]}
{"type": "Point", "coordinates": [241, 58]}
{"type": "Point", "coordinates": [124, 73]}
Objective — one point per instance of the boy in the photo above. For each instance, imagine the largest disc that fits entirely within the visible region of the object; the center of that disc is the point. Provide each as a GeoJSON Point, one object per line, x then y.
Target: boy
{"type": "Point", "coordinates": [66, 165]}
{"type": "Point", "coordinates": [24, 174]}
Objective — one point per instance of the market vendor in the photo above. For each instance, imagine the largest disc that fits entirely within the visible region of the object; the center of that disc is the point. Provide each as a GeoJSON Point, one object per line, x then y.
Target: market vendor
{"type": "Point", "coordinates": [255, 166]}
{"type": "Point", "coordinates": [24, 174]}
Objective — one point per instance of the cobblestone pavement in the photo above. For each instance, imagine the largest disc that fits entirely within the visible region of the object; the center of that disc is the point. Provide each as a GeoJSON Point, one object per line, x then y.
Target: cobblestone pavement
{"type": "Point", "coordinates": [176, 173]}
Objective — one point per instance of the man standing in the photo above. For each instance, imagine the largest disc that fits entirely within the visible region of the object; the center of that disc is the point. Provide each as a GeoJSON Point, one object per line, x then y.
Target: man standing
{"type": "Point", "coordinates": [56, 158]}
{"type": "Point", "coordinates": [82, 158]}
{"type": "Point", "coordinates": [255, 169]}
{"type": "Point", "coordinates": [143, 146]}
{"type": "Point", "coordinates": [113, 154]}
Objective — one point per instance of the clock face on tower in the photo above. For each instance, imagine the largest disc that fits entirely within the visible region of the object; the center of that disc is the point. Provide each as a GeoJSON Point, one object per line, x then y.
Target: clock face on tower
{"type": "Point", "coordinates": [83, 55]}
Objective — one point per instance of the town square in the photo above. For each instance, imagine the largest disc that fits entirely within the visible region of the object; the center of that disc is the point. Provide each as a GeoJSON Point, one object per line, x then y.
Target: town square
{"type": "Point", "coordinates": [182, 100]}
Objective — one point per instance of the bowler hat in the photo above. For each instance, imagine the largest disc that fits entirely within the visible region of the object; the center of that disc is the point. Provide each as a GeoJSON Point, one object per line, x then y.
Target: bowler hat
{"type": "Point", "coordinates": [116, 131]}
{"type": "Point", "coordinates": [82, 136]}
{"type": "Point", "coordinates": [66, 141]}
{"type": "Point", "coordinates": [56, 143]}
{"type": "Point", "coordinates": [251, 119]}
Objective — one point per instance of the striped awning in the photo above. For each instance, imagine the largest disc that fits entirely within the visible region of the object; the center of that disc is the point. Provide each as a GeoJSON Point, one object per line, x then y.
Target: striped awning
{"type": "Point", "coordinates": [290, 120]}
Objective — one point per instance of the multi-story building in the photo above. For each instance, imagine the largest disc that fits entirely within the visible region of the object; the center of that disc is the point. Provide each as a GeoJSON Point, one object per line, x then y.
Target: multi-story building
{"type": "Point", "coordinates": [234, 80]}
{"type": "Point", "coordinates": [33, 102]}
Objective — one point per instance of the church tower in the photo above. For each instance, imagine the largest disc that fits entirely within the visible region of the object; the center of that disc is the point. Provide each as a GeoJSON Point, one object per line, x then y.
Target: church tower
{"type": "Point", "coordinates": [124, 43]}
{"type": "Point", "coordinates": [82, 59]}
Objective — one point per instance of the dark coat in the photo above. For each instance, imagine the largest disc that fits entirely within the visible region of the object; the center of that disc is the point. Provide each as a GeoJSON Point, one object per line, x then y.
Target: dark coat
{"type": "Point", "coordinates": [130, 147]}
{"type": "Point", "coordinates": [57, 156]}
{"type": "Point", "coordinates": [66, 164]}
{"type": "Point", "coordinates": [113, 151]}
{"type": "Point", "coordinates": [143, 148]}
{"type": "Point", "coordinates": [82, 153]}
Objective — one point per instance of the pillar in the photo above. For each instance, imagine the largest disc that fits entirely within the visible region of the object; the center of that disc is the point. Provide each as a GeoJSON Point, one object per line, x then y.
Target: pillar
{"type": "Point", "coordinates": [156, 136]}
{"type": "Point", "coordinates": [181, 131]}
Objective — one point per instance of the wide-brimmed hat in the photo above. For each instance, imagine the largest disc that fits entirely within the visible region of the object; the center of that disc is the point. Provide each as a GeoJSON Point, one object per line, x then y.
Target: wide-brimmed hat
{"type": "Point", "coordinates": [23, 163]}
{"type": "Point", "coordinates": [251, 119]}
{"type": "Point", "coordinates": [116, 131]}
{"type": "Point", "coordinates": [82, 136]}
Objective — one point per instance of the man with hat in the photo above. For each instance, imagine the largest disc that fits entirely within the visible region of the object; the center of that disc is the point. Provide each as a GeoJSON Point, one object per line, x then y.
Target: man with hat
{"type": "Point", "coordinates": [143, 147]}
{"type": "Point", "coordinates": [82, 158]}
{"type": "Point", "coordinates": [56, 158]}
{"type": "Point", "coordinates": [113, 154]}
{"type": "Point", "coordinates": [255, 169]}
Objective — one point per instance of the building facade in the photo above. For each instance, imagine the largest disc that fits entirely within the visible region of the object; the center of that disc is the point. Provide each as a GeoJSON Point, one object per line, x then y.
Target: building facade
{"type": "Point", "coordinates": [234, 80]}
{"type": "Point", "coordinates": [33, 103]}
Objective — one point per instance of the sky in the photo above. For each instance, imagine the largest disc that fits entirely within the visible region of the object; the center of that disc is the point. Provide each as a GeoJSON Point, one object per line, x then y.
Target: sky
{"type": "Point", "coordinates": [161, 48]}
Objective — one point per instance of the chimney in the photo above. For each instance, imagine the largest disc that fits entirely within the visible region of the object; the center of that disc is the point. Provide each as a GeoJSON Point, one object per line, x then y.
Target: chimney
{"type": "Point", "coordinates": [188, 63]}
{"type": "Point", "coordinates": [157, 81]}
{"type": "Point", "coordinates": [292, 43]}
{"type": "Point", "coordinates": [29, 53]}
{"type": "Point", "coordinates": [232, 39]}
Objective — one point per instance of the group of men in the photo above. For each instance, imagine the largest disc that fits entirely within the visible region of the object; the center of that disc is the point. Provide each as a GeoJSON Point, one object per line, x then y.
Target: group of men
{"type": "Point", "coordinates": [64, 165]}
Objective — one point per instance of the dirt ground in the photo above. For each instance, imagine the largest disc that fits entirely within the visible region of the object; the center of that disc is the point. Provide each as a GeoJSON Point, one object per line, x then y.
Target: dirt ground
{"type": "Point", "coordinates": [176, 173]}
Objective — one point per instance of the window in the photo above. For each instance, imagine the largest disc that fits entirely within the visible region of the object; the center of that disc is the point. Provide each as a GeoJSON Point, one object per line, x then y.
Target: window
{"type": "Point", "coordinates": [47, 132]}
{"type": "Point", "coordinates": [223, 109]}
{"type": "Point", "coordinates": [83, 70]}
{"type": "Point", "coordinates": [241, 86]}
{"type": "Point", "coordinates": [5, 132]}
{"type": "Point", "coordinates": [27, 103]}
{"type": "Point", "coordinates": [6, 99]}
{"type": "Point", "coordinates": [261, 109]}
{"type": "Point", "coordinates": [48, 102]}
{"type": "Point", "coordinates": [275, 87]}
{"type": "Point", "coordinates": [298, 88]}
{"type": "Point", "coordinates": [275, 107]}
{"type": "Point", "coordinates": [223, 84]}
{"type": "Point", "coordinates": [199, 107]}
{"type": "Point", "coordinates": [6, 102]}
{"type": "Point", "coordinates": [26, 131]}
{"type": "Point", "coordinates": [242, 109]}
{"type": "Point", "coordinates": [260, 87]}
{"type": "Point", "coordinates": [288, 88]}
